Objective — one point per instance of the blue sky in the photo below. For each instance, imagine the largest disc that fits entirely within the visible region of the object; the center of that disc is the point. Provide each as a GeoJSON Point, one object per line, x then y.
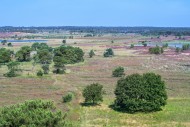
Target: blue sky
{"type": "Point", "coordinates": [166, 13]}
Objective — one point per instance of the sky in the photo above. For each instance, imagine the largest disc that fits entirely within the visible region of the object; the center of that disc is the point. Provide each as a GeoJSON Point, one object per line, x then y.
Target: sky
{"type": "Point", "coordinates": [158, 13]}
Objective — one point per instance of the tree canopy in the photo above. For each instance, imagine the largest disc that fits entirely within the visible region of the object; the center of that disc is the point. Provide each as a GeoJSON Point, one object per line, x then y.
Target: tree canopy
{"type": "Point", "coordinates": [68, 54]}
{"type": "Point", "coordinates": [93, 93]}
{"type": "Point", "coordinates": [109, 52]}
{"type": "Point", "coordinates": [24, 54]}
{"type": "Point", "coordinates": [5, 55]}
{"type": "Point", "coordinates": [140, 93]}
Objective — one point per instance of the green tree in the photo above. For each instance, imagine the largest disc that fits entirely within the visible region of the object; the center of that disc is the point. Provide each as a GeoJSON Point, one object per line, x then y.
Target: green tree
{"type": "Point", "coordinates": [93, 93]}
{"type": "Point", "coordinates": [118, 72]}
{"type": "Point", "coordinates": [91, 53]}
{"type": "Point", "coordinates": [64, 42]}
{"type": "Point", "coordinates": [185, 46]}
{"type": "Point", "coordinates": [59, 65]}
{"type": "Point", "coordinates": [33, 113]}
{"type": "Point", "coordinates": [45, 68]}
{"type": "Point", "coordinates": [44, 56]}
{"type": "Point", "coordinates": [177, 49]}
{"type": "Point", "coordinates": [5, 55]}
{"type": "Point", "coordinates": [9, 45]}
{"type": "Point", "coordinates": [109, 52]}
{"type": "Point", "coordinates": [39, 73]}
{"type": "Point", "coordinates": [140, 93]}
{"type": "Point", "coordinates": [24, 54]}
{"type": "Point", "coordinates": [69, 54]}
{"type": "Point", "coordinates": [35, 46]}
{"type": "Point", "coordinates": [132, 46]}
{"type": "Point", "coordinates": [13, 68]}
{"type": "Point", "coordinates": [68, 97]}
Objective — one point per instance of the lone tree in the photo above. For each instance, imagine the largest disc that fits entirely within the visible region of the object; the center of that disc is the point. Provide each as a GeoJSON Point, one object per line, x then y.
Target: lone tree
{"type": "Point", "coordinates": [93, 93]}
{"type": "Point", "coordinates": [59, 65]}
{"type": "Point", "coordinates": [9, 44]}
{"type": "Point", "coordinates": [24, 54]}
{"type": "Point", "coordinates": [91, 53]}
{"type": "Point", "coordinates": [64, 42]}
{"type": "Point", "coordinates": [140, 93]}
{"type": "Point", "coordinates": [118, 72]}
{"type": "Point", "coordinates": [109, 52]}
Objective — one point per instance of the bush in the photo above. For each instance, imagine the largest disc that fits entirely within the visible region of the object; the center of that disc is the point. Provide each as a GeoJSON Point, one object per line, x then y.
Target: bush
{"type": "Point", "coordinates": [45, 68]}
{"type": "Point", "coordinates": [91, 53]}
{"type": "Point", "coordinates": [156, 50]}
{"type": "Point", "coordinates": [67, 98]}
{"type": "Point", "coordinates": [140, 93]}
{"type": "Point", "coordinates": [132, 46]}
{"type": "Point", "coordinates": [93, 93]}
{"type": "Point", "coordinates": [185, 46]}
{"type": "Point", "coordinates": [33, 113]}
{"type": "Point", "coordinates": [109, 52]}
{"type": "Point", "coordinates": [13, 68]}
{"type": "Point", "coordinates": [118, 72]}
{"type": "Point", "coordinates": [177, 49]}
{"type": "Point", "coordinates": [39, 73]}
{"type": "Point", "coordinates": [165, 45]}
{"type": "Point", "coordinates": [68, 55]}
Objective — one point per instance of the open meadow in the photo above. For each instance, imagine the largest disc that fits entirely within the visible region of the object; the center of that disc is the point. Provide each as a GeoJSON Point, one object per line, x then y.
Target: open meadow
{"type": "Point", "coordinates": [173, 67]}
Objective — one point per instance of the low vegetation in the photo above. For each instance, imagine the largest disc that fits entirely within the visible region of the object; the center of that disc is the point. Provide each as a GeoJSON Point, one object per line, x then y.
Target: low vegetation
{"type": "Point", "coordinates": [34, 113]}
{"type": "Point", "coordinates": [109, 52]}
{"type": "Point", "coordinates": [118, 72]}
{"type": "Point", "coordinates": [156, 50]}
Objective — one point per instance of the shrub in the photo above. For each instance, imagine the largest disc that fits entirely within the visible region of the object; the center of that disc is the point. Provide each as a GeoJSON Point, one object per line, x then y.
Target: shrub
{"type": "Point", "coordinates": [67, 98]}
{"type": "Point", "coordinates": [64, 42]}
{"type": "Point", "coordinates": [33, 113]}
{"type": "Point", "coordinates": [132, 46]}
{"type": "Point", "coordinates": [118, 72]}
{"type": "Point", "coordinates": [9, 44]}
{"type": "Point", "coordinates": [177, 49]}
{"type": "Point", "coordinates": [109, 52]}
{"type": "Point", "coordinates": [156, 50]}
{"type": "Point", "coordinates": [13, 68]}
{"type": "Point", "coordinates": [140, 93]}
{"type": "Point", "coordinates": [91, 53]}
{"type": "Point", "coordinates": [165, 45]}
{"type": "Point", "coordinates": [39, 73]}
{"type": "Point", "coordinates": [93, 93]}
{"type": "Point", "coordinates": [185, 46]}
{"type": "Point", "coordinates": [144, 43]}
{"type": "Point", "coordinates": [45, 68]}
